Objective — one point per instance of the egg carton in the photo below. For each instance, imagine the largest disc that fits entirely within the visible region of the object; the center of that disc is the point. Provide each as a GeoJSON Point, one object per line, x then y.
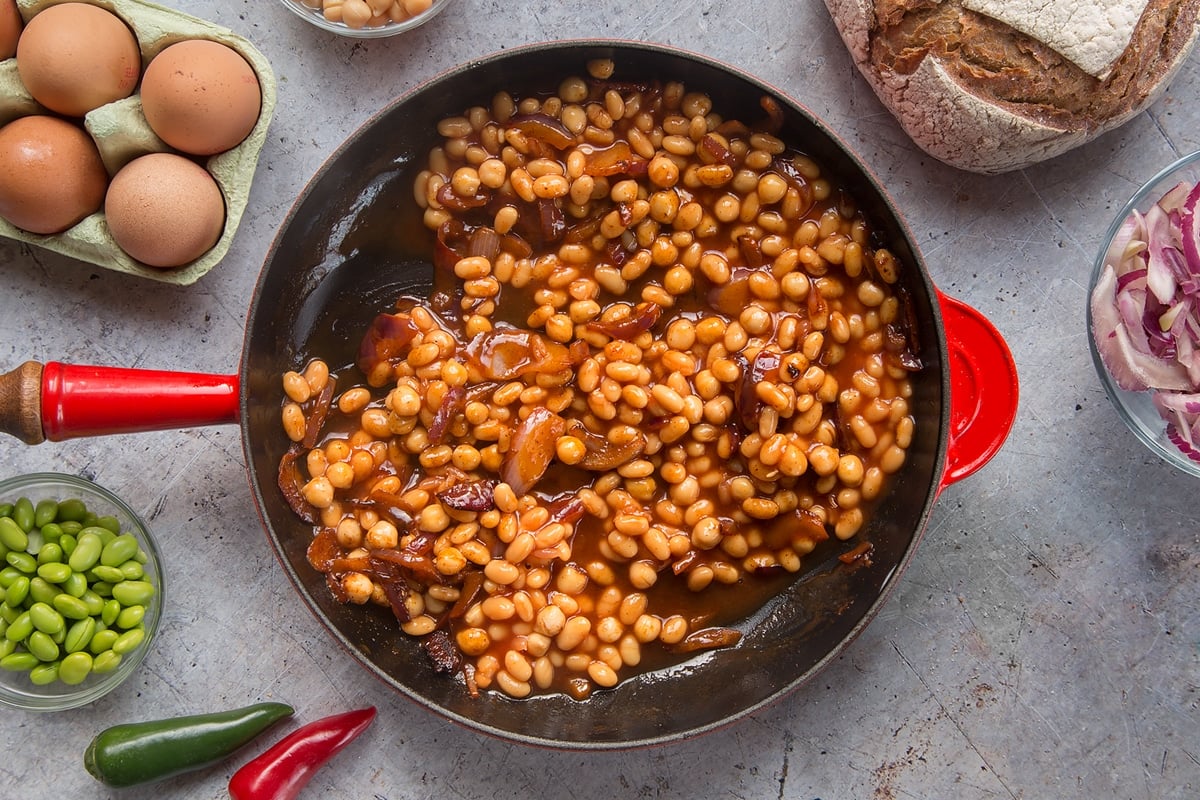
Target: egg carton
{"type": "Point", "coordinates": [122, 134]}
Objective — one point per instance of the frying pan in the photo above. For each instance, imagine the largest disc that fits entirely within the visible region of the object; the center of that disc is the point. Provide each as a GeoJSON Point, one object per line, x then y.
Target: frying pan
{"type": "Point", "coordinates": [354, 241]}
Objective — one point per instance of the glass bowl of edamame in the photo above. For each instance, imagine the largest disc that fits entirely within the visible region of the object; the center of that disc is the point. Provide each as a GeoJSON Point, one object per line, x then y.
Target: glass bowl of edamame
{"type": "Point", "coordinates": [81, 591]}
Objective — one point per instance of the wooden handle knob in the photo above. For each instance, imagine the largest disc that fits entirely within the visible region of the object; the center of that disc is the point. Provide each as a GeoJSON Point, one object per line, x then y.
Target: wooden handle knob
{"type": "Point", "coordinates": [21, 403]}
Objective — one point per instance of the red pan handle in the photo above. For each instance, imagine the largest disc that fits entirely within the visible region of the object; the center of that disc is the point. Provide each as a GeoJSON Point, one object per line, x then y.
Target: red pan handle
{"type": "Point", "coordinates": [61, 401]}
{"type": "Point", "coordinates": [983, 389]}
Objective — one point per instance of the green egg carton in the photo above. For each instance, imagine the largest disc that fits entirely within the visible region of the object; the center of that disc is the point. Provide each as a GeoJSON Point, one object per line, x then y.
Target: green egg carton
{"type": "Point", "coordinates": [122, 134]}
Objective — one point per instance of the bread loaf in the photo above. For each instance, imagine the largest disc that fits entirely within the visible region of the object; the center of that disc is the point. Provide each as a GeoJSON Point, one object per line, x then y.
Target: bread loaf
{"type": "Point", "coordinates": [997, 85]}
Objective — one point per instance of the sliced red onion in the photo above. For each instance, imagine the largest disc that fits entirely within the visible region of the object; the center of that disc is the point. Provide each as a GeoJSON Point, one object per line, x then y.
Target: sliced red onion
{"type": "Point", "coordinates": [1160, 277]}
{"type": "Point", "coordinates": [1132, 369]}
{"type": "Point", "coordinates": [1187, 220]}
{"type": "Point", "coordinates": [1146, 311]}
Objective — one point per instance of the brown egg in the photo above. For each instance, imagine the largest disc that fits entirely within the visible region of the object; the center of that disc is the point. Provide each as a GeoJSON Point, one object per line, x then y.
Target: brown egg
{"type": "Point", "coordinates": [201, 97]}
{"type": "Point", "coordinates": [10, 28]}
{"type": "Point", "coordinates": [164, 210]}
{"type": "Point", "coordinates": [75, 57]}
{"type": "Point", "coordinates": [51, 175]}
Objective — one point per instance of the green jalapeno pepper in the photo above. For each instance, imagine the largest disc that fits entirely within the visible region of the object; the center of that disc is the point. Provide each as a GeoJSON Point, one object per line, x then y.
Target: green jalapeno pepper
{"type": "Point", "coordinates": [143, 752]}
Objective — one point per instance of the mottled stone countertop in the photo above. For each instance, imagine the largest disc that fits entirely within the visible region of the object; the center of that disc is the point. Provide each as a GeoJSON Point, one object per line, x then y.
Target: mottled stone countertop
{"type": "Point", "coordinates": [1043, 643]}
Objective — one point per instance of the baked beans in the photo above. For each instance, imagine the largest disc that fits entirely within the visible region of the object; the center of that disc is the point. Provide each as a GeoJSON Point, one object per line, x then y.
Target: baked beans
{"type": "Point", "coordinates": [663, 360]}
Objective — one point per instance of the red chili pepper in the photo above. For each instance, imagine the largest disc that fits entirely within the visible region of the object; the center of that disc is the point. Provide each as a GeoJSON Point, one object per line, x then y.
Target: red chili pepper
{"type": "Point", "coordinates": [288, 765]}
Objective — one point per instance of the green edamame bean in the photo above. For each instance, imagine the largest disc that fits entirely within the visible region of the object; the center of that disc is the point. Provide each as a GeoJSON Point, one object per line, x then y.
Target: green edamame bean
{"type": "Point", "coordinates": [75, 585]}
{"type": "Point", "coordinates": [45, 618]}
{"type": "Point", "coordinates": [50, 553]}
{"type": "Point", "coordinates": [106, 662]}
{"type": "Point", "coordinates": [6, 509]}
{"type": "Point", "coordinates": [12, 535]}
{"type": "Point", "coordinates": [20, 628]}
{"type": "Point", "coordinates": [110, 612]}
{"type": "Point", "coordinates": [102, 640]}
{"type": "Point", "coordinates": [74, 668]}
{"type": "Point", "coordinates": [79, 635]}
{"type": "Point", "coordinates": [60, 635]}
{"type": "Point", "coordinates": [71, 510]}
{"type": "Point", "coordinates": [42, 646]}
{"type": "Point", "coordinates": [52, 532]}
{"type": "Point", "coordinates": [8, 575]}
{"type": "Point", "coordinates": [128, 641]}
{"type": "Point", "coordinates": [20, 661]}
{"type": "Point", "coordinates": [132, 570]}
{"type": "Point", "coordinates": [119, 550]}
{"type": "Point", "coordinates": [109, 523]}
{"type": "Point", "coordinates": [22, 561]}
{"type": "Point", "coordinates": [104, 534]}
{"type": "Point", "coordinates": [131, 617]}
{"type": "Point", "coordinates": [86, 552]}
{"type": "Point", "coordinates": [41, 590]}
{"type": "Point", "coordinates": [103, 588]}
{"type": "Point", "coordinates": [107, 574]}
{"type": "Point", "coordinates": [142, 557]}
{"type": "Point", "coordinates": [44, 512]}
{"type": "Point", "coordinates": [9, 613]}
{"type": "Point", "coordinates": [22, 513]}
{"type": "Point", "coordinates": [7, 647]}
{"type": "Point", "coordinates": [133, 593]}
{"type": "Point", "coordinates": [70, 607]}
{"type": "Point", "coordinates": [94, 602]}
{"type": "Point", "coordinates": [17, 591]}
{"type": "Point", "coordinates": [67, 543]}
{"type": "Point", "coordinates": [54, 572]}
{"type": "Point", "coordinates": [44, 674]}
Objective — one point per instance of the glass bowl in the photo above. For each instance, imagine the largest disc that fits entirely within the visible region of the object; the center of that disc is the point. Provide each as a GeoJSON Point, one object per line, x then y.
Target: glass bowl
{"type": "Point", "coordinates": [17, 689]}
{"type": "Point", "coordinates": [1135, 408]}
{"type": "Point", "coordinates": [316, 17]}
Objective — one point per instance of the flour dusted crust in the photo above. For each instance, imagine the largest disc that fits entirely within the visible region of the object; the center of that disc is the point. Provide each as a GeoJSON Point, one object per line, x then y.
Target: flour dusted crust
{"type": "Point", "coordinates": [996, 85]}
{"type": "Point", "coordinates": [1091, 35]}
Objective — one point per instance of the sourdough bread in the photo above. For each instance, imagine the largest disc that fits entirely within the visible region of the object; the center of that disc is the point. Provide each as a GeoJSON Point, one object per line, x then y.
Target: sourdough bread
{"type": "Point", "coordinates": [997, 85]}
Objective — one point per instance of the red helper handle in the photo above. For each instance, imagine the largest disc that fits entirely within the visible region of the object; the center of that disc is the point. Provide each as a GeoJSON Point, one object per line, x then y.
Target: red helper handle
{"type": "Point", "coordinates": [983, 389]}
{"type": "Point", "coordinates": [61, 401]}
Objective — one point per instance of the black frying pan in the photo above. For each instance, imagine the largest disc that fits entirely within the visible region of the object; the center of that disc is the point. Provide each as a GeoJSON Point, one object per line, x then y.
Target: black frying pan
{"type": "Point", "coordinates": [354, 242]}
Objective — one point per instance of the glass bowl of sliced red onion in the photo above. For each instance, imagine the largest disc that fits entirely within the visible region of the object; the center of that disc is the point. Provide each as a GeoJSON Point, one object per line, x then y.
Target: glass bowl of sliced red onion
{"type": "Point", "coordinates": [1144, 313]}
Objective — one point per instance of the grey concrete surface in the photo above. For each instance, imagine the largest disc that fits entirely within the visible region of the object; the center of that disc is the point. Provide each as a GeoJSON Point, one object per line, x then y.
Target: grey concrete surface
{"type": "Point", "coordinates": [1045, 642]}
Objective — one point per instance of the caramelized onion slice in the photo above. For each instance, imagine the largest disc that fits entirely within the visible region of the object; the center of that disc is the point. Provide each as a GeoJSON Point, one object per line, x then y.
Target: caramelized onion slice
{"type": "Point", "coordinates": [601, 454]}
{"type": "Point", "coordinates": [616, 159]}
{"type": "Point", "coordinates": [504, 354]}
{"type": "Point", "coordinates": [386, 341]}
{"type": "Point", "coordinates": [707, 639]}
{"type": "Point", "coordinates": [749, 407]}
{"type": "Point", "coordinates": [291, 484]}
{"type": "Point", "coordinates": [452, 403]}
{"type": "Point", "coordinates": [533, 448]}
{"type": "Point", "coordinates": [544, 128]}
{"type": "Point", "coordinates": [470, 496]}
{"type": "Point", "coordinates": [643, 318]}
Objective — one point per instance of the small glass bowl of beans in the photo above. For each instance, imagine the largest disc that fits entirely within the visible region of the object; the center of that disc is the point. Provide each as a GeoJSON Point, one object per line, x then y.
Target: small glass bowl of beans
{"type": "Point", "coordinates": [367, 19]}
{"type": "Point", "coordinates": [80, 591]}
